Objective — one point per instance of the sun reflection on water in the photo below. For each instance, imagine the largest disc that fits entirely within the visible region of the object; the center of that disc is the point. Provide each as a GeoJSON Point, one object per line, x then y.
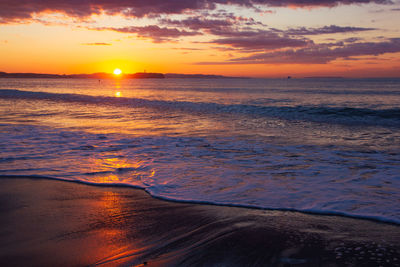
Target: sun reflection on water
{"type": "Point", "coordinates": [114, 169]}
{"type": "Point", "coordinates": [111, 206]}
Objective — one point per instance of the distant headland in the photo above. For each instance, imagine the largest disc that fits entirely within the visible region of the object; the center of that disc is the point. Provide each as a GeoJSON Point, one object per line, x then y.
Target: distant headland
{"type": "Point", "coordinates": [99, 75]}
{"type": "Point", "coordinates": [201, 76]}
{"type": "Point", "coordinates": [324, 77]}
{"type": "Point", "coordinates": [103, 75]}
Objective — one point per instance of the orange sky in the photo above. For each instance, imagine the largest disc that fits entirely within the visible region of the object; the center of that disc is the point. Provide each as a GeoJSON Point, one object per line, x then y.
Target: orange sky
{"type": "Point", "coordinates": [324, 38]}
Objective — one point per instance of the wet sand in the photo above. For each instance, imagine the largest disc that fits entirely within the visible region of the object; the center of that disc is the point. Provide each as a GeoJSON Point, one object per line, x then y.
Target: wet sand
{"type": "Point", "coordinates": [54, 223]}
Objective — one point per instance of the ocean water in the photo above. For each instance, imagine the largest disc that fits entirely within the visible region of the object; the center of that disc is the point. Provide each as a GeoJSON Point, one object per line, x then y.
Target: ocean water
{"type": "Point", "coordinates": [328, 146]}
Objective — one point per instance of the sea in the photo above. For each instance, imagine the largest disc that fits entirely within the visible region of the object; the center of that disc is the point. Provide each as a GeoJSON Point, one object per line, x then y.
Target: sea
{"type": "Point", "coordinates": [318, 145]}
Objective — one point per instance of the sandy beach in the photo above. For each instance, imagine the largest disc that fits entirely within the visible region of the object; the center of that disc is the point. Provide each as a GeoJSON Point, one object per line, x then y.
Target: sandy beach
{"type": "Point", "coordinates": [56, 223]}
{"type": "Point", "coordinates": [200, 133]}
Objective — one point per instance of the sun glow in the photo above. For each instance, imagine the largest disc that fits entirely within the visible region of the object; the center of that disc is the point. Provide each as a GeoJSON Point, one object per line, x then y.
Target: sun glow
{"type": "Point", "coordinates": [117, 71]}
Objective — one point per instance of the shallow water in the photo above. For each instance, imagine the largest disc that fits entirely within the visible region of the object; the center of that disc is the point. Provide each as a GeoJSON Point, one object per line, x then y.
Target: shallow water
{"type": "Point", "coordinates": [320, 145]}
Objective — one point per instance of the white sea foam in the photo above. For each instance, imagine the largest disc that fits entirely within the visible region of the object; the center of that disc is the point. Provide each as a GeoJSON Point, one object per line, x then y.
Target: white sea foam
{"type": "Point", "coordinates": [265, 148]}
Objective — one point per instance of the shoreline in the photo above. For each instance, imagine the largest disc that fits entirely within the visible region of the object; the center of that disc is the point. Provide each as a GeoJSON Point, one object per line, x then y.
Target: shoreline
{"type": "Point", "coordinates": [49, 222]}
{"type": "Point", "coordinates": [193, 202]}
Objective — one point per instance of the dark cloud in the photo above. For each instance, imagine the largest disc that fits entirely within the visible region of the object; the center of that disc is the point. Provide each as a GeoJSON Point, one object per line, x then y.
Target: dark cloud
{"type": "Point", "coordinates": [262, 42]}
{"type": "Point", "coordinates": [96, 44]}
{"type": "Point", "coordinates": [352, 40]}
{"type": "Point", "coordinates": [156, 33]}
{"type": "Point", "coordinates": [310, 3]}
{"type": "Point", "coordinates": [250, 32]}
{"type": "Point", "coordinates": [232, 35]}
{"type": "Point", "coordinates": [322, 53]}
{"type": "Point", "coordinates": [256, 39]}
{"type": "Point", "coordinates": [324, 30]}
{"type": "Point", "coordinates": [248, 39]}
{"type": "Point", "coordinates": [25, 9]}
{"type": "Point", "coordinates": [198, 23]}
{"type": "Point", "coordinates": [217, 26]}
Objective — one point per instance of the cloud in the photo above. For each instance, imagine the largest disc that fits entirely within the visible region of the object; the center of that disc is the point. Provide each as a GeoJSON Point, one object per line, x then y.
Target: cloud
{"type": "Point", "coordinates": [11, 11]}
{"type": "Point", "coordinates": [311, 3]}
{"type": "Point", "coordinates": [237, 33]}
{"type": "Point", "coordinates": [156, 33]}
{"type": "Point", "coordinates": [322, 53]}
{"type": "Point", "coordinates": [100, 44]}
{"type": "Point", "coordinates": [198, 23]}
{"type": "Point", "coordinates": [220, 21]}
{"type": "Point", "coordinates": [352, 40]}
{"type": "Point", "coordinates": [301, 31]}
{"type": "Point", "coordinates": [324, 30]}
{"type": "Point", "coordinates": [256, 39]}
{"type": "Point", "coordinates": [262, 42]}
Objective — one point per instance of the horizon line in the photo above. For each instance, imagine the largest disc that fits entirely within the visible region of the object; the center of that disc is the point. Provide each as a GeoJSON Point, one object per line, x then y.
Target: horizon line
{"type": "Point", "coordinates": [196, 74]}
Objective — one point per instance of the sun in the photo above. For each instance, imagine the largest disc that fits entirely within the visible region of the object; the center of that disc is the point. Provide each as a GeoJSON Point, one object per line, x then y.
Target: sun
{"type": "Point", "coordinates": [117, 71]}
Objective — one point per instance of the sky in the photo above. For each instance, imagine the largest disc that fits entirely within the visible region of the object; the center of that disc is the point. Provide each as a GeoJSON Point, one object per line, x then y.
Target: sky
{"type": "Point", "coordinates": [253, 38]}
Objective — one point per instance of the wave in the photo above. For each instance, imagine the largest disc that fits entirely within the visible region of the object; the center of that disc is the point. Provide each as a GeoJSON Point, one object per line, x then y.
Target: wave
{"type": "Point", "coordinates": [308, 211]}
{"type": "Point", "coordinates": [322, 114]}
{"type": "Point", "coordinates": [330, 179]}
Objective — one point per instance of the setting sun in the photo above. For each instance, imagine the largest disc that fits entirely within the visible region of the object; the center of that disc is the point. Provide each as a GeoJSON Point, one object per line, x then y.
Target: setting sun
{"type": "Point", "coordinates": [117, 71]}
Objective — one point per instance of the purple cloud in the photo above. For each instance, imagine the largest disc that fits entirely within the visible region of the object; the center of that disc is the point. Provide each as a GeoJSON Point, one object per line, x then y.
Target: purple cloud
{"type": "Point", "coordinates": [217, 22]}
{"type": "Point", "coordinates": [248, 39]}
{"type": "Point", "coordinates": [249, 32]}
{"type": "Point", "coordinates": [158, 34]}
{"type": "Point", "coordinates": [352, 40]}
{"type": "Point", "coordinates": [309, 3]}
{"type": "Point", "coordinates": [197, 23]}
{"type": "Point", "coordinates": [234, 36]}
{"type": "Point", "coordinates": [322, 53]}
{"type": "Point", "coordinates": [24, 9]}
{"type": "Point", "coordinates": [324, 30]}
{"type": "Point", "coordinates": [262, 42]}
